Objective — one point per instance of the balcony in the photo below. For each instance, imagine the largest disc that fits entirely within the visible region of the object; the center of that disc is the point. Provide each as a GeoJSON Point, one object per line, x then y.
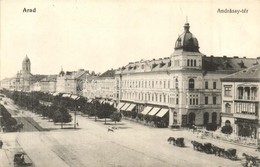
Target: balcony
{"type": "Point", "coordinates": [246, 116]}
{"type": "Point", "coordinates": [247, 98]}
{"type": "Point", "coordinates": [227, 114]}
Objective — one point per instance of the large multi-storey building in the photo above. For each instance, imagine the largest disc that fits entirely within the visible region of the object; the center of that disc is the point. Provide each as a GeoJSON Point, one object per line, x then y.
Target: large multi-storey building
{"type": "Point", "coordinates": [185, 85]}
{"type": "Point", "coordinates": [241, 102]}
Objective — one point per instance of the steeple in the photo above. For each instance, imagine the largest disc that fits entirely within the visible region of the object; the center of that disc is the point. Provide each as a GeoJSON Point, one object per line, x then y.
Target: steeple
{"type": "Point", "coordinates": [26, 65]}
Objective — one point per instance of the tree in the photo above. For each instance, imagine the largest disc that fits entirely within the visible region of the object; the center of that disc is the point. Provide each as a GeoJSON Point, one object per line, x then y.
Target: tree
{"type": "Point", "coordinates": [227, 129]}
{"type": "Point", "coordinates": [61, 115]}
{"type": "Point", "coordinates": [116, 117]}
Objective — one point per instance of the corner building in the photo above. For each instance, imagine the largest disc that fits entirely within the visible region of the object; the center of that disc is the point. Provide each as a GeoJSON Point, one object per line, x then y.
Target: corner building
{"type": "Point", "coordinates": [240, 102]}
{"type": "Point", "coordinates": [185, 87]}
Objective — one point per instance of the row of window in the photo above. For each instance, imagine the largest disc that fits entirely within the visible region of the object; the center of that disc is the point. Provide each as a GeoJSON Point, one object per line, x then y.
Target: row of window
{"type": "Point", "coordinates": [191, 63]}
{"type": "Point", "coordinates": [207, 85]}
{"type": "Point", "coordinates": [214, 100]}
{"type": "Point", "coordinates": [148, 84]}
{"type": "Point", "coordinates": [160, 98]}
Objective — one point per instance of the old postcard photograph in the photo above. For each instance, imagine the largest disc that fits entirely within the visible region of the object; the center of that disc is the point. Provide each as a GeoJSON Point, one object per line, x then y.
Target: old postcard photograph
{"type": "Point", "coordinates": [120, 83]}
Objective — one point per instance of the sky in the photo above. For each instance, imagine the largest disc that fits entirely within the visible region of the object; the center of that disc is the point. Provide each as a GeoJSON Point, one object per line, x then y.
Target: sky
{"type": "Point", "coordinates": [103, 34]}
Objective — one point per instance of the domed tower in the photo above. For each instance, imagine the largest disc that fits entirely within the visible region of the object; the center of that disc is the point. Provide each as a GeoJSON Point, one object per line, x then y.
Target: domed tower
{"type": "Point", "coordinates": [26, 66]}
{"type": "Point", "coordinates": [186, 41]}
{"type": "Point", "coordinates": [186, 51]}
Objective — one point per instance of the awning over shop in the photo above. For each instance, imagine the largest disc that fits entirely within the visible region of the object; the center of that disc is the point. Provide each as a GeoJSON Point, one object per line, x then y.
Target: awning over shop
{"type": "Point", "coordinates": [162, 112]}
{"type": "Point", "coordinates": [55, 94]}
{"type": "Point", "coordinates": [111, 103]}
{"type": "Point", "coordinates": [154, 111]}
{"type": "Point", "coordinates": [125, 106]}
{"type": "Point", "coordinates": [74, 97]}
{"type": "Point", "coordinates": [131, 107]}
{"type": "Point", "coordinates": [66, 95]}
{"type": "Point", "coordinates": [120, 105]}
{"type": "Point", "coordinates": [90, 100]}
{"type": "Point", "coordinates": [146, 110]}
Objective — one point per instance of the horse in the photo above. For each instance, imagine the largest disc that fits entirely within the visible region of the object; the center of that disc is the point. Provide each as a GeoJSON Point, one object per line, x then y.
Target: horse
{"type": "Point", "coordinates": [250, 158]}
{"type": "Point", "coordinates": [197, 145]}
{"type": "Point", "coordinates": [217, 150]}
{"type": "Point", "coordinates": [171, 139]}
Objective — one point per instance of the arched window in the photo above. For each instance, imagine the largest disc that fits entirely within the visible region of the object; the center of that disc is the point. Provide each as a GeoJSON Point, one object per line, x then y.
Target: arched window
{"type": "Point", "coordinates": [195, 63]}
{"type": "Point", "coordinates": [214, 117]}
{"type": "Point", "coordinates": [188, 62]}
{"type": "Point", "coordinates": [191, 83]}
{"type": "Point", "coordinates": [227, 123]}
{"type": "Point", "coordinates": [206, 118]}
{"type": "Point", "coordinates": [176, 83]}
{"type": "Point", "coordinates": [228, 108]}
{"type": "Point", "coordinates": [191, 63]}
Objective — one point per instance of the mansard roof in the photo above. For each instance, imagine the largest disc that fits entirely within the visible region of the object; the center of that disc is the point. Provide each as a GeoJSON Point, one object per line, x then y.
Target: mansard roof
{"type": "Point", "coordinates": [50, 78]}
{"type": "Point", "coordinates": [251, 74]}
{"type": "Point", "coordinates": [108, 73]}
{"type": "Point", "coordinates": [37, 77]}
{"type": "Point", "coordinates": [227, 63]}
{"type": "Point", "coordinates": [212, 64]}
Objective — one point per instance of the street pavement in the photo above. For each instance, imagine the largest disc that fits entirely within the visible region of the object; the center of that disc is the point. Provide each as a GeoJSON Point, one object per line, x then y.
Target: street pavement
{"type": "Point", "coordinates": [131, 144]}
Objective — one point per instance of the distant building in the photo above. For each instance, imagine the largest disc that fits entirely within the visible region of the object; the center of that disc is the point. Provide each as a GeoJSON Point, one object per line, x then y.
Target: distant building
{"type": "Point", "coordinates": [241, 102]}
{"type": "Point", "coordinates": [48, 84]}
{"type": "Point", "coordinates": [185, 87]}
{"type": "Point", "coordinates": [71, 82]}
{"type": "Point", "coordinates": [23, 80]}
{"type": "Point", "coordinates": [102, 87]}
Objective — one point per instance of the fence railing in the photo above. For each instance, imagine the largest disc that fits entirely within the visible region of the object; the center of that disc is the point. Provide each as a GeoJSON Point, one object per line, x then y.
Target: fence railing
{"type": "Point", "coordinates": [229, 138]}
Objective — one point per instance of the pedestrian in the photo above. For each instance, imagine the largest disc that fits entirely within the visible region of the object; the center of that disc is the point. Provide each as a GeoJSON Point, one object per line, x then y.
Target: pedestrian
{"type": "Point", "coordinates": [1, 144]}
{"type": "Point", "coordinates": [77, 124]}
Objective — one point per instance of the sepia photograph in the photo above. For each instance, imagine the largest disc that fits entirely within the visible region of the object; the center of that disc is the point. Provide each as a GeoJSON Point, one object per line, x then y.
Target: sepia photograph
{"type": "Point", "coordinates": [129, 83]}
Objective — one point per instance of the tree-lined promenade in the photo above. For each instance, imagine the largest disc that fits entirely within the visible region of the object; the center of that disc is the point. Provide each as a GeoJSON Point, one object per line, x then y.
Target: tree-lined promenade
{"type": "Point", "coordinates": [56, 108]}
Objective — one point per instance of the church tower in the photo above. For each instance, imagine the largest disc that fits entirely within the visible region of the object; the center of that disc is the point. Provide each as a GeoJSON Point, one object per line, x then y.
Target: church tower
{"type": "Point", "coordinates": [26, 66]}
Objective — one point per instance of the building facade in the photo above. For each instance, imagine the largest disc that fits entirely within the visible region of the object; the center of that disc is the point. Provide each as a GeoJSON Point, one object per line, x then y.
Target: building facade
{"type": "Point", "coordinates": [101, 87]}
{"type": "Point", "coordinates": [186, 85]}
{"type": "Point", "coordinates": [71, 82]}
{"type": "Point", "coordinates": [241, 102]}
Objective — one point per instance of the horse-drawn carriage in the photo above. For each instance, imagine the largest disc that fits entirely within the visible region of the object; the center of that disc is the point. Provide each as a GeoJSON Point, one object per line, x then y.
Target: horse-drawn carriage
{"type": "Point", "coordinates": [230, 154]}
{"type": "Point", "coordinates": [177, 142]}
{"type": "Point", "coordinates": [251, 160]}
{"type": "Point", "coordinates": [20, 160]}
{"type": "Point", "coordinates": [180, 142]}
{"type": "Point", "coordinates": [208, 148]}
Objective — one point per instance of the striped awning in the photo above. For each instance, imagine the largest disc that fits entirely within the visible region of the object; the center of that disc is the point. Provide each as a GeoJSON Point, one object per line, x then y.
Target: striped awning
{"type": "Point", "coordinates": [162, 112]}
{"type": "Point", "coordinates": [111, 103]}
{"type": "Point", "coordinates": [74, 97]}
{"type": "Point", "coordinates": [154, 111]}
{"type": "Point", "coordinates": [146, 110]}
{"type": "Point", "coordinates": [120, 105]}
{"type": "Point", "coordinates": [90, 100]}
{"type": "Point", "coordinates": [131, 107]}
{"type": "Point", "coordinates": [66, 95]}
{"type": "Point", "coordinates": [125, 106]}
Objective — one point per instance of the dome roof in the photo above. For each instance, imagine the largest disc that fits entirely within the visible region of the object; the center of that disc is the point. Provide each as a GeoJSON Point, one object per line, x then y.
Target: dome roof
{"type": "Point", "coordinates": [26, 60]}
{"type": "Point", "coordinates": [187, 41]}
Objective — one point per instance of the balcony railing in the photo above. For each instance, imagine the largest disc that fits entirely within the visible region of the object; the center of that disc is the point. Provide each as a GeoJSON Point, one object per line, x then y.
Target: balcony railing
{"type": "Point", "coordinates": [251, 116]}
{"type": "Point", "coordinates": [247, 98]}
